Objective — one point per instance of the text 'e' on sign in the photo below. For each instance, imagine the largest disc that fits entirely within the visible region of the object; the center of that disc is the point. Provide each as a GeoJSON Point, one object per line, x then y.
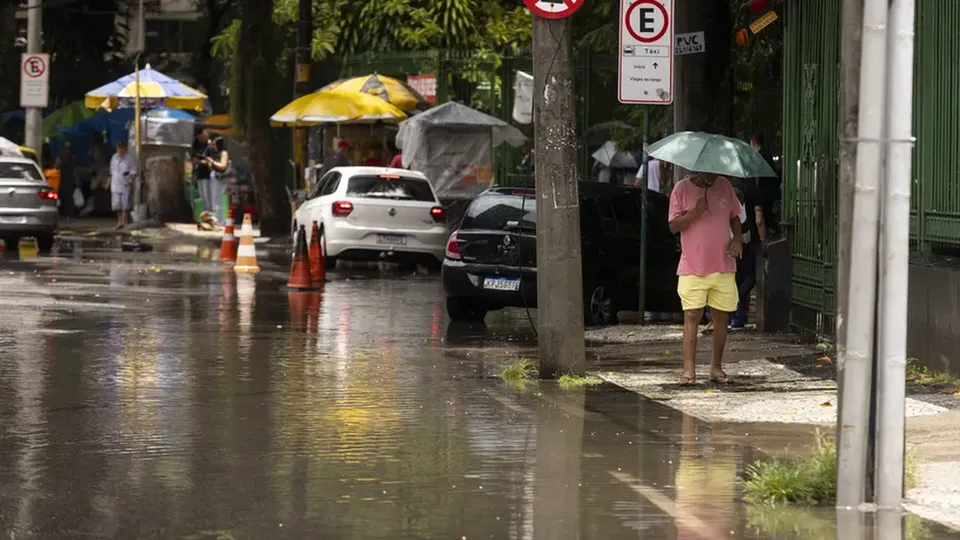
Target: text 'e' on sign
{"type": "Point", "coordinates": [557, 9]}
{"type": "Point", "coordinates": [645, 74]}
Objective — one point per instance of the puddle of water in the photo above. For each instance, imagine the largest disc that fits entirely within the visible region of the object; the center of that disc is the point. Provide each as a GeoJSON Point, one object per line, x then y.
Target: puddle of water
{"type": "Point", "coordinates": [216, 404]}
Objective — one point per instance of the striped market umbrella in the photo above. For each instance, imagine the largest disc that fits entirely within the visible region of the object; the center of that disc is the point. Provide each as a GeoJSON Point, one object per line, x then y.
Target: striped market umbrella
{"type": "Point", "coordinates": [156, 90]}
{"type": "Point", "coordinates": [393, 91]}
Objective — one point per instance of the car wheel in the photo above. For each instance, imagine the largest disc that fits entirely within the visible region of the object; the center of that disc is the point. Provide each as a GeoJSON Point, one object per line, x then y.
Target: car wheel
{"type": "Point", "coordinates": [329, 263]}
{"type": "Point", "coordinates": [12, 243]}
{"type": "Point", "coordinates": [465, 310]}
{"type": "Point", "coordinates": [599, 307]}
{"type": "Point", "coordinates": [45, 242]}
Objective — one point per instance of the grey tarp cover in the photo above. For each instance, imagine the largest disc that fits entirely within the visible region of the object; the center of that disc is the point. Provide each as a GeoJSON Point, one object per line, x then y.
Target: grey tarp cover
{"type": "Point", "coordinates": [9, 148]}
{"type": "Point", "coordinates": [453, 146]}
{"type": "Point", "coordinates": [165, 132]}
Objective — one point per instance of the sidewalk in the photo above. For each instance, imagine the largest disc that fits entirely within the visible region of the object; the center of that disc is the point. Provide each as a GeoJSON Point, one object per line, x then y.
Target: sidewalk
{"type": "Point", "coordinates": [93, 227]}
{"type": "Point", "coordinates": [780, 381]}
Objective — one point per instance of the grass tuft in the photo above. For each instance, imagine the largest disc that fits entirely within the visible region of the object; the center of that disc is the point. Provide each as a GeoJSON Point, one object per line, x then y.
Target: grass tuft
{"type": "Point", "coordinates": [571, 382]}
{"type": "Point", "coordinates": [811, 480]}
{"type": "Point", "coordinates": [520, 372]}
{"type": "Point", "coordinates": [924, 376]}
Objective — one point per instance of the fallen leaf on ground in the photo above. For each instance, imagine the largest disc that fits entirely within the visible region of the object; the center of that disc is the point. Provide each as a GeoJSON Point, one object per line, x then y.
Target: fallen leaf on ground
{"type": "Point", "coordinates": [631, 334]}
{"type": "Point", "coordinates": [826, 404]}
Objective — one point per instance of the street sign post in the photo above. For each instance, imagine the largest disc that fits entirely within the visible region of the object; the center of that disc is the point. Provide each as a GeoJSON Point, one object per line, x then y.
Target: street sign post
{"type": "Point", "coordinates": [553, 10]}
{"type": "Point", "coordinates": [34, 80]}
{"type": "Point", "coordinates": [645, 76]}
{"type": "Point", "coordinates": [646, 52]}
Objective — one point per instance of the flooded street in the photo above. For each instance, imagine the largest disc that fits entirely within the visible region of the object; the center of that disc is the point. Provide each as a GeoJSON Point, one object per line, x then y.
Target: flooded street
{"type": "Point", "coordinates": [157, 395]}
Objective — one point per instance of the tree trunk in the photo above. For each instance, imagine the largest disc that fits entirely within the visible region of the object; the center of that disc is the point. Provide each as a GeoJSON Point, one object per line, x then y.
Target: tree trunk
{"type": "Point", "coordinates": [258, 60]}
{"type": "Point", "coordinates": [698, 78]}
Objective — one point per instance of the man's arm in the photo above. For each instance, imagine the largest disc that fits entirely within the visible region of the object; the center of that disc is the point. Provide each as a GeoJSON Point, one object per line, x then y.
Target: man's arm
{"type": "Point", "coordinates": [681, 222]}
{"type": "Point", "coordinates": [761, 224]}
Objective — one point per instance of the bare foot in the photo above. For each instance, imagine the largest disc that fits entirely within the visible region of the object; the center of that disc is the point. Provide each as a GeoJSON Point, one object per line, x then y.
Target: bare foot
{"type": "Point", "coordinates": [717, 376]}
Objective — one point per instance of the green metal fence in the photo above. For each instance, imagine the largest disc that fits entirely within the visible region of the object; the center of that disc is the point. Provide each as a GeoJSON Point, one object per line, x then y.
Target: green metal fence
{"type": "Point", "coordinates": [936, 190]}
{"type": "Point", "coordinates": [812, 92]}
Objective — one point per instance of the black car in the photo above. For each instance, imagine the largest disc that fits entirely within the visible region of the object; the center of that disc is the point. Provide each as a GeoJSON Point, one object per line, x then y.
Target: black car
{"type": "Point", "coordinates": [491, 260]}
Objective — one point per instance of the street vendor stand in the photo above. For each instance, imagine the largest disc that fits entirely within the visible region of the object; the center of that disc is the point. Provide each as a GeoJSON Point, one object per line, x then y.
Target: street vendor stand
{"type": "Point", "coordinates": [453, 146]}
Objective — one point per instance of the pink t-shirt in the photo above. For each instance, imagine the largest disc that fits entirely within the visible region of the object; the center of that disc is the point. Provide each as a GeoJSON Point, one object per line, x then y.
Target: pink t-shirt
{"type": "Point", "coordinates": [704, 242]}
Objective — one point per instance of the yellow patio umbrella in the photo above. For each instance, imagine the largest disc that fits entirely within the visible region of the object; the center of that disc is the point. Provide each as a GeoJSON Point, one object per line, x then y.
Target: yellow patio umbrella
{"type": "Point", "coordinates": [396, 92]}
{"type": "Point", "coordinates": [335, 106]}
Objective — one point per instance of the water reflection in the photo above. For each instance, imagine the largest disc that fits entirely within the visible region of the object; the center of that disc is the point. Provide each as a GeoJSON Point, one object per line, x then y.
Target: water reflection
{"type": "Point", "coordinates": [228, 406]}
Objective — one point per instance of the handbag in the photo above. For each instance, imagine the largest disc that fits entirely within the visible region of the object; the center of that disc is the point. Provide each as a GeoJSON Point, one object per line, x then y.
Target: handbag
{"type": "Point", "coordinates": [78, 199]}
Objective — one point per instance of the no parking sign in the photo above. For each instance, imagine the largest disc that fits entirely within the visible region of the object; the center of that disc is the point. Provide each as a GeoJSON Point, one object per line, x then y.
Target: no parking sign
{"type": "Point", "coordinates": [553, 10]}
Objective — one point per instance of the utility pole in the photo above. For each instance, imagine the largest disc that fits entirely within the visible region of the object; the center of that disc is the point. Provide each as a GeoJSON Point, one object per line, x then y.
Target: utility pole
{"type": "Point", "coordinates": [559, 274]}
{"type": "Point", "coordinates": [138, 206]}
{"type": "Point", "coordinates": [850, 58]}
{"type": "Point", "coordinates": [851, 46]}
{"type": "Point", "coordinates": [301, 135]}
{"type": "Point", "coordinates": [33, 132]}
{"type": "Point", "coordinates": [855, 361]}
{"type": "Point", "coordinates": [895, 256]}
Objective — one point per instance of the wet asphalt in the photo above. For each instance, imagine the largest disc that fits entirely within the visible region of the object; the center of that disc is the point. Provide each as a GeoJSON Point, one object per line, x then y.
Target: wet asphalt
{"type": "Point", "coordinates": [159, 395]}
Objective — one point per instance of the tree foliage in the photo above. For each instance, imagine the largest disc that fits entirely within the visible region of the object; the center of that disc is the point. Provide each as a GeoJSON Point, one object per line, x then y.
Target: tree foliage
{"type": "Point", "coordinates": [81, 33]}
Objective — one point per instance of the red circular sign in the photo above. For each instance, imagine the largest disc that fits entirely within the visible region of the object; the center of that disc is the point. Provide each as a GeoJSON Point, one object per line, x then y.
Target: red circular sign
{"type": "Point", "coordinates": [637, 36]}
{"type": "Point", "coordinates": [33, 66]}
{"type": "Point", "coordinates": [549, 9]}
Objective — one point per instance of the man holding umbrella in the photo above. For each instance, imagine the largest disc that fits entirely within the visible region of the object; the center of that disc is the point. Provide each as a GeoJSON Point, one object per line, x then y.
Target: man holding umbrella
{"type": "Point", "coordinates": [705, 210]}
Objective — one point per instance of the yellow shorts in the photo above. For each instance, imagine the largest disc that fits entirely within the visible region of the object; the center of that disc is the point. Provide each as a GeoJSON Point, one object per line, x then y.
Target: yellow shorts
{"type": "Point", "coordinates": [719, 291]}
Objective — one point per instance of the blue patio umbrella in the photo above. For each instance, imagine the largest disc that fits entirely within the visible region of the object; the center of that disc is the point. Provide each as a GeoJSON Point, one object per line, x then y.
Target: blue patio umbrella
{"type": "Point", "coordinates": [171, 114]}
{"type": "Point", "coordinates": [156, 90]}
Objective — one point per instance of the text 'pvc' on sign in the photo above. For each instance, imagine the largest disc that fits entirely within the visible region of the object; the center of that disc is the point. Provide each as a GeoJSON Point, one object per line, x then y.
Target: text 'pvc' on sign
{"type": "Point", "coordinates": [35, 80]}
{"type": "Point", "coordinates": [646, 52]}
{"type": "Point", "coordinates": [557, 9]}
{"type": "Point", "coordinates": [691, 43]}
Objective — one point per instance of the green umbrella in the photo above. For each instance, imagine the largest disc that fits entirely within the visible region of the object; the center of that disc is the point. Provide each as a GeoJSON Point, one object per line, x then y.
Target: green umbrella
{"type": "Point", "coordinates": [67, 116]}
{"type": "Point", "coordinates": [709, 153]}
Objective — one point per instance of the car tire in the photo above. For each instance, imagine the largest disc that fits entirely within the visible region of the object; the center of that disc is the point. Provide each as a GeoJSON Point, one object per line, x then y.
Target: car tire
{"type": "Point", "coordinates": [329, 263]}
{"type": "Point", "coordinates": [461, 309]}
{"type": "Point", "coordinates": [12, 243]}
{"type": "Point", "coordinates": [599, 306]}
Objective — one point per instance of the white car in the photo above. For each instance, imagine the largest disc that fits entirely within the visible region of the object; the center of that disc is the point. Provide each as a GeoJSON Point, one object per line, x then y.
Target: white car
{"type": "Point", "coordinates": [376, 214]}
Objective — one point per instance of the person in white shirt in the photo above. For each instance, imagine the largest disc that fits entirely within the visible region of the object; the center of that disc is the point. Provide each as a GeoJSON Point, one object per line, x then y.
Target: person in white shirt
{"type": "Point", "coordinates": [123, 169]}
{"type": "Point", "coordinates": [653, 179]}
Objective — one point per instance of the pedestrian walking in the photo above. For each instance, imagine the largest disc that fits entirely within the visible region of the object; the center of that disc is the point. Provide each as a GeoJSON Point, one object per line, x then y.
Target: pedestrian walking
{"type": "Point", "coordinates": [768, 193]}
{"type": "Point", "coordinates": [336, 159]}
{"type": "Point", "coordinates": [752, 214]}
{"type": "Point", "coordinates": [705, 210]}
{"type": "Point", "coordinates": [123, 169]}
{"type": "Point", "coordinates": [203, 151]}
{"type": "Point", "coordinates": [221, 174]}
{"type": "Point", "coordinates": [653, 176]}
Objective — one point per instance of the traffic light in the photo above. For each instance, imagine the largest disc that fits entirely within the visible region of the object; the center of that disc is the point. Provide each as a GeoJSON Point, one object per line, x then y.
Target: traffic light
{"type": "Point", "coordinates": [756, 6]}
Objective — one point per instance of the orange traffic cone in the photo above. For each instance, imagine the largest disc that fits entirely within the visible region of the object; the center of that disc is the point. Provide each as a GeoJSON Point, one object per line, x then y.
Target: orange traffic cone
{"type": "Point", "coordinates": [317, 270]}
{"type": "Point", "coordinates": [228, 247]}
{"type": "Point", "coordinates": [300, 269]}
{"type": "Point", "coordinates": [246, 252]}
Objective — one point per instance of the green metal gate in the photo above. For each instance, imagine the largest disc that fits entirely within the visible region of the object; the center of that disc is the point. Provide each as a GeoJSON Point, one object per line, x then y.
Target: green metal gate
{"type": "Point", "coordinates": [811, 104]}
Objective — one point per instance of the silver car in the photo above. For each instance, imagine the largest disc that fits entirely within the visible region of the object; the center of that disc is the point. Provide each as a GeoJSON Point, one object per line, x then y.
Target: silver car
{"type": "Point", "coordinates": [28, 205]}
